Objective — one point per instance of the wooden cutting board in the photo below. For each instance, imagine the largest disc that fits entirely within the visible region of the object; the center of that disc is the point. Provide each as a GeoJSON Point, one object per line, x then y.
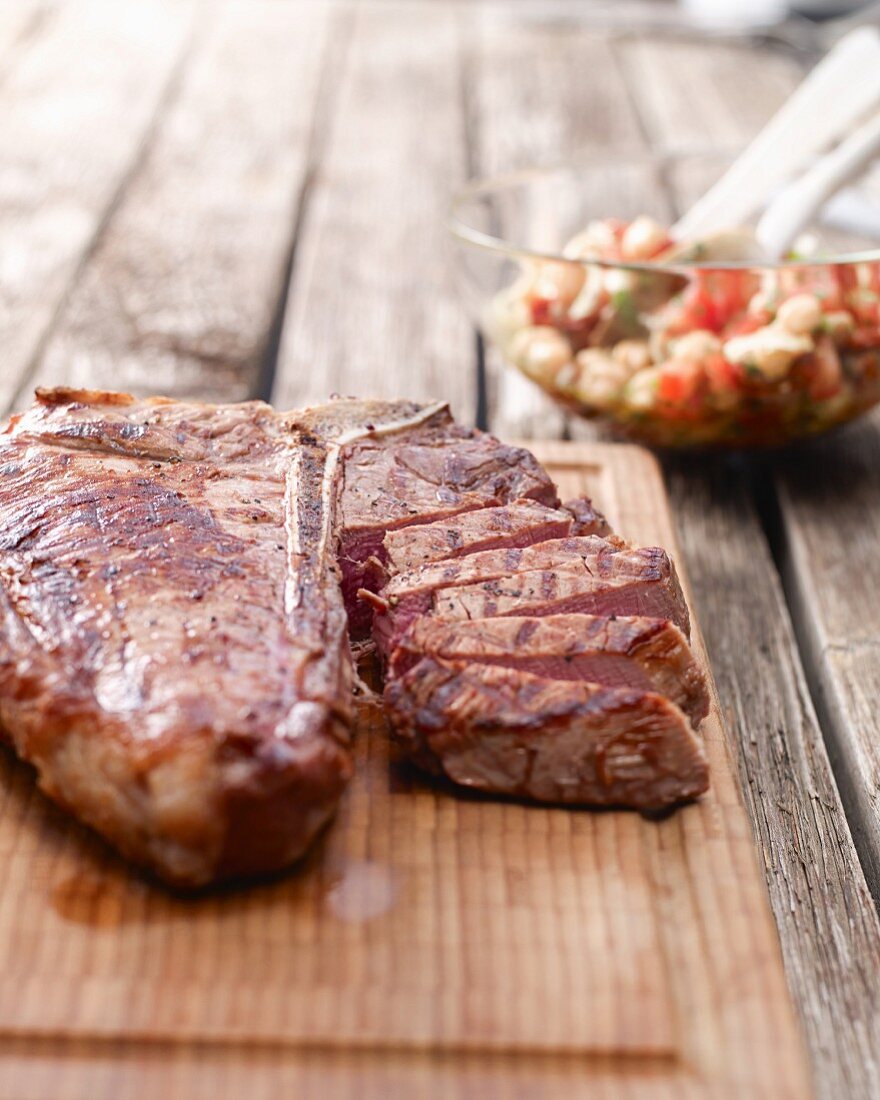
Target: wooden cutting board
{"type": "Point", "coordinates": [435, 944]}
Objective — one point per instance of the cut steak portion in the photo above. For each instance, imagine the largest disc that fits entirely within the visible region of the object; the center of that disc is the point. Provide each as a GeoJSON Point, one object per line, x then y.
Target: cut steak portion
{"type": "Point", "coordinates": [626, 652]}
{"type": "Point", "coordinates": [433, 471]}
{"type": "Point", "coordinates": [174, 658]}
{"type": "Point", "coordinates": [587, 575]}
{"type": "Point", "coordinates": [509, 732]}
{"type": "Point", "coordinates": [521, 523]}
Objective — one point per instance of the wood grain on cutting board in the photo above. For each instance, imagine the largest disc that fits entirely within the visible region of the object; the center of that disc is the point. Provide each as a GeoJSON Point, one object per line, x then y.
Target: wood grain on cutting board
{"type": "Point", "coordinates": [434, 944]}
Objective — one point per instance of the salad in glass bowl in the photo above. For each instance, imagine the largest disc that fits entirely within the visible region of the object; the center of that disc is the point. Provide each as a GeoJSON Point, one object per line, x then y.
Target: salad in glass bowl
{"type": "Point", "coordinates": [672, 342]}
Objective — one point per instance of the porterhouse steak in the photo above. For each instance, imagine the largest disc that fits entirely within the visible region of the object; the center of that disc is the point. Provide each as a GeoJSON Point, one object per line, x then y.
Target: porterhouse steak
{"type": "Point", "coordinates": [178, 583]}
{"type": "Point", "coordinates": [174, 657]}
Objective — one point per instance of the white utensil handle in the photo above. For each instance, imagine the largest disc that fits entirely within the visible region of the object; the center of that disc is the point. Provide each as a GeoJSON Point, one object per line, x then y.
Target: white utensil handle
{"type": "Point", "coordinates": [796, 206]}
{"type": "Point", "coordinates": [841, 89]}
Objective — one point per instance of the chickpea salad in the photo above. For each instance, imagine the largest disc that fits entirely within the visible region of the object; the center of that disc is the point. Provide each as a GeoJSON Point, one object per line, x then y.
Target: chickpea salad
{"type": "Point", "coordinates": [693, 355]}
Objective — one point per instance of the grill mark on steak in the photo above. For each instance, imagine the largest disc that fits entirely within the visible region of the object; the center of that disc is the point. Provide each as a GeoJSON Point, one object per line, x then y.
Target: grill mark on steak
{"type": "Point", "coordinates": [579, 575]}
{"type": "Point", "coordinates": [439, 471]}
{"type": "Point", "coordinates": [513, 733]}
{"type": "Point", "coordinates": [625, 651]}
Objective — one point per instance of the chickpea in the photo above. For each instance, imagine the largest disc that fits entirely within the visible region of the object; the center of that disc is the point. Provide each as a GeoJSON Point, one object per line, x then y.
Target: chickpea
{"type": "Point", "coordinates": [592, 243]}
{"type": "Point", "coordinates": [633, 354]}
{"type": "Point", "coordinates": [642, 239]}
{"type": "Point", "coordinates": [769, 351]}
{"type": "Point", "coordinates": [559, 282]}
{"type": "Point", "coordinates": [540, 352]}
{"type": "Point", "coordinates": [507, 315]}
{"type": "Point", "coordinates": [800, 315]}
{"type": "Point", "coordinates": [600, 363]}
{"type": "Point", "coordinates": [600, 378]}
{"type": "Point", "coordinates": [696, 345]}
{"type": "Point", "coordinates": [641, 390]}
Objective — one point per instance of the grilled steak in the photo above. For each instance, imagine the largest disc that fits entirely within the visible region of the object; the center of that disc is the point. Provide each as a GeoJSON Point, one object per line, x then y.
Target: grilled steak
{"type": "Point", "coordinates": [437, 471]}
{"type": "Point", "coordinates": [173, 651]}
{"type": "Point", "coordinates": [509, 732]}
{"type": "Point", "coordinates": [566, 575]}
{"type": "Point", "coordinates": [174, 657]}
{"type": "Point", "coordinates": [626, 651]}
{"type": "Point", "coordinates": [521, 523]}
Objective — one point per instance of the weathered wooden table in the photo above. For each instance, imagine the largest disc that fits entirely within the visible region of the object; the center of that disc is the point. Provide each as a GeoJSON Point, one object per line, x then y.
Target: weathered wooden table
{"type": "Point", "coordinates": [247, 198]}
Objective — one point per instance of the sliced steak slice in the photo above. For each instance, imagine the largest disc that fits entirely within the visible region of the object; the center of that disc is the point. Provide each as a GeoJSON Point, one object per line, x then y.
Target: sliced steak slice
{"type": "Point", "coordinates": [587, 575]}
{"type": "Point", "coordinates": [432, 471]}
{"type": "Point", "coordinates": [512, 733]}
{"type": "Point", "coordinates": [626, 651]}
{"type": "Point", "coordinates": [509, 526]}
{"type": "Point", "coordinates": [641, 582]}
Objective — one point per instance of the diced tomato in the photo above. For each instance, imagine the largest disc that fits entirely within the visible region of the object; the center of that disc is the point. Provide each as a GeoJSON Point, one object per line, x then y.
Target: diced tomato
{"type": "Point", "coordinates": [722, 375]}
{"type": "Point", "coordinates": [679, 388]}
{"type": "Point", "coordinates": [747, 323]}
{"type": "Point", "coordinates": [819, 372]}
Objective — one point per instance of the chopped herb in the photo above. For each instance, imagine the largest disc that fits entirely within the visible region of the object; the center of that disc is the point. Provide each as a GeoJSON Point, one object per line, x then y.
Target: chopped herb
{"type": "Point", "coordinates": [625, 308]}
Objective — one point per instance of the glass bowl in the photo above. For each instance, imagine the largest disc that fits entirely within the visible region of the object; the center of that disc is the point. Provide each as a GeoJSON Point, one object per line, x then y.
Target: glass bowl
{"type": "Point", "coordinates": [671, 351]}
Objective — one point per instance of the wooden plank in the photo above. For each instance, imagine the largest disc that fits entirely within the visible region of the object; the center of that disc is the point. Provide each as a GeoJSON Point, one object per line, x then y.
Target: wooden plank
{"type": "Point", "coordinates": [697, 96]}
{"type": "Point", "coordinates": [827, 922]}
{"type": "Point", "coordinates": [828, 927]}
{"type": "Point", "coordinates": [372, 307]}
{"type": "Point", "coordinates": [430, 925]}
{"type": "Point", "coordinates": [540, 93]}
{"type": "Point", "coordinates": [182, 290]}
{"type": "Point", "coordinates": [75, 106]}
{"type": "Point", "coordinates": [829, 500]}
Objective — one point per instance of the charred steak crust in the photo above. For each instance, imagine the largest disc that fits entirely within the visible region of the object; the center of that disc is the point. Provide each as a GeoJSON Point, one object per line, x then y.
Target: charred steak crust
{"type": "Point", "coordinates": [177, 586]}
{"type": "Point", "coordinates": [513, 733]}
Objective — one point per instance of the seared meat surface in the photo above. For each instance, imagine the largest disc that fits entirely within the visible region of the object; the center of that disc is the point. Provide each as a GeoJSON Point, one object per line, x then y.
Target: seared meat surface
{"type": "Point", "coordinates": [174, 657]}
{"type": "Point", "coordinates": [521, 523]}
{"type": "Point", "coordinates": [439, 470]}
{"type": "Point", "coordinates": [178, 583]}
{"type": "Point", "coordinates": [622, 651]}
{"type": "Point", "coordinates": [586, 575]}
{"type": "Point", "coordinates": [509, 732]}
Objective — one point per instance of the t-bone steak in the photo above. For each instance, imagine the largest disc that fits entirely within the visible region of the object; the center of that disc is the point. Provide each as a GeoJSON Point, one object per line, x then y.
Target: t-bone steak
{"type": "Point", "coordinates": [179, 584]}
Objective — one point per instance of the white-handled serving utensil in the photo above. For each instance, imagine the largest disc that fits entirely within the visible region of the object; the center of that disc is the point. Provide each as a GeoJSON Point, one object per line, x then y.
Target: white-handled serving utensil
{"type": "Point", "coordinates": [840, 90]}
{"type": "Point", "coordinates": [798, 203]}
